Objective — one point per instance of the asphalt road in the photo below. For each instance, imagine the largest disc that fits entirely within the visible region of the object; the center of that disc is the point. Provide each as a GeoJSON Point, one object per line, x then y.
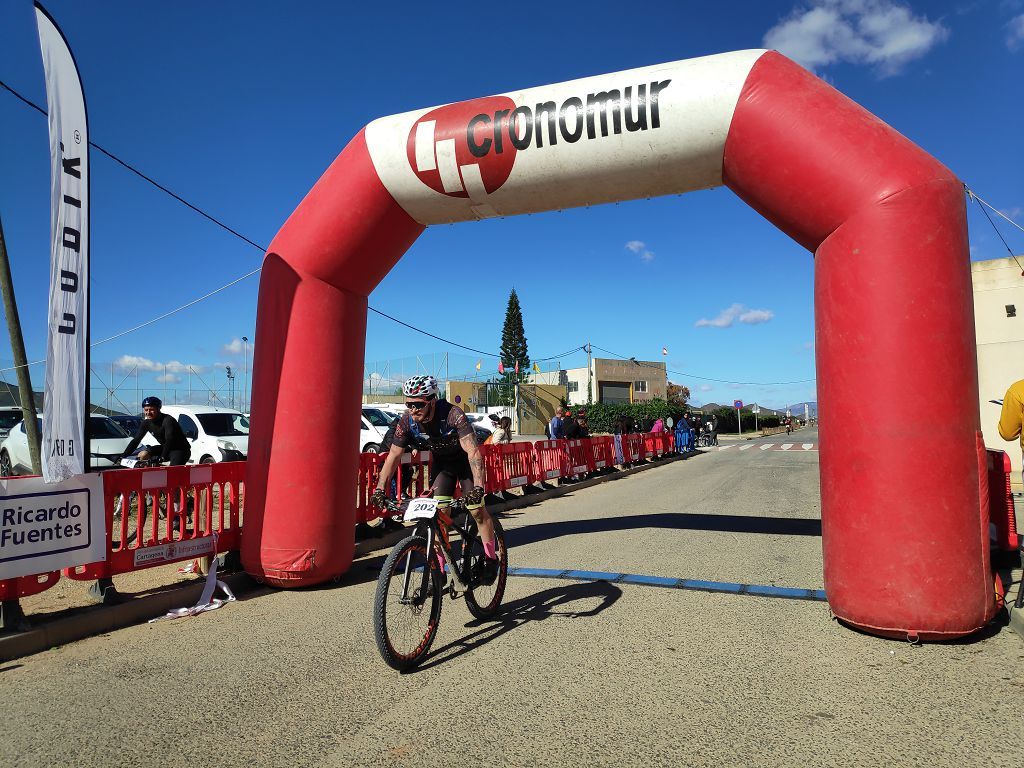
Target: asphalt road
{"type": "Point", "coordinates": [573, 674]}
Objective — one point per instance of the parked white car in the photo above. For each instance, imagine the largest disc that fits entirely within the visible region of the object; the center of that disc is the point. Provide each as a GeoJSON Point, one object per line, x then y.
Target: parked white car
{"type": "Point", "coordinates": [107, 442]}
{"type": "Point", "coordinates": [484, 421]}
{"type": "Point", "coordinates": [370, 435]}
{"type": "Point", "coordinates": [215, 434]}
{"type": "Point", "coordinates": [9, 416]}
{"type": "Point", "coordinates": [391, 410]}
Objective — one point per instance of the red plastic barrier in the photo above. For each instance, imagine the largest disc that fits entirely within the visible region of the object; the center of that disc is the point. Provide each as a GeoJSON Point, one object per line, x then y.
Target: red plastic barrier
{"type": "Point", "coordinates": [149, 532]}
{"type": "Point", "coordinates": [550, 460]}
{"type": "Point", "coordinates": [1000, 500]}
{"type": "Point", "coordinates": [508, 465]}
{"type": "Point", "coordinates": [649, 451]}
{"type": "Point", "coordinates": [369, 472]}
{"type": "Point", "coordinates": [580, 456]}
{"type": "Point", "coordinates": [632, 448]}
{"type": "Point", "coordinates": [24, 586]}
{"type": "Point", "coordinates": [603, 452]}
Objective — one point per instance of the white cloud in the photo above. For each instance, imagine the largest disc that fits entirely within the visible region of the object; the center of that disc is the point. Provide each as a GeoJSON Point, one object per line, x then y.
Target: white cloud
{"type": "Point", "coordinates": [734, 313]}
{"type": "Point", "coordinates": [130, 362]}
{"type": "Point", "coordinates": [1015, 212]}
{"type": "Point", "coordinates": [236, 347]}
{"type": "Point", "coordinates": [884, 34]}
{"type": "Point", "coordinates": [640, 249]}
{"type": "Point", "coordinates": [1015, 32]}
{"type": "Point", "coordinates": [169, 378]}
{"type": "Point", "coordinates": [706, 387]}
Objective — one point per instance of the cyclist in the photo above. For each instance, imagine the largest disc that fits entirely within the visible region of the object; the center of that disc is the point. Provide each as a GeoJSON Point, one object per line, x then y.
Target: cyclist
{"type": "Point", "coordinates": [435, 425]}
{"type": "Point", "coordinates": [173, 447]}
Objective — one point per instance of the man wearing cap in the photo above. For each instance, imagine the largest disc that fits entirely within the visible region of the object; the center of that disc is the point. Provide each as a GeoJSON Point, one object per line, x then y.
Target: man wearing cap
{"type": "Point", "coordinates": [172, 445]}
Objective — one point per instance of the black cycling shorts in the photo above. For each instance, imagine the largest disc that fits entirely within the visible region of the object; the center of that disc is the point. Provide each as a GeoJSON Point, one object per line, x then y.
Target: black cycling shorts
{"type": "Point", "coordinates": [448, 471]}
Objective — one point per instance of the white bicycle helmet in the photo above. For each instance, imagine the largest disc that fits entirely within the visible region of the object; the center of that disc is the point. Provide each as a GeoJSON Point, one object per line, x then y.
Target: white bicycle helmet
{"type": "Point", "coordinates": [420, 386]}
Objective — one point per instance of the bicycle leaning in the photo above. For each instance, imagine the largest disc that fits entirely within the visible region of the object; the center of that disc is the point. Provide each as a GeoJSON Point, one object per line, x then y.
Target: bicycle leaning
{"type": "Point", "coordinates": [424, 566]}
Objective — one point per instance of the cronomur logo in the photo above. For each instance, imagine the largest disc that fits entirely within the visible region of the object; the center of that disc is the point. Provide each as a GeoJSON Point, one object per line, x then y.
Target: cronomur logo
{"type": "Point", "coordinates": [468, 149]}
{"type": "Point", "coordinates": [440, 153]}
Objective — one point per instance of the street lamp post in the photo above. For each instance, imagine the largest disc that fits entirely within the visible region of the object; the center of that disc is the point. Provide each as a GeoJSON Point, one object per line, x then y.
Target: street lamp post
{"type": "Point", "coordinates": [231, 383]}
{"type": "Point", "coordinates": [245, 372]}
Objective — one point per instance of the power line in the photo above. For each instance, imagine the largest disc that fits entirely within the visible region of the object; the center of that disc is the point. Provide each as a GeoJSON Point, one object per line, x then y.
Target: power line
{"type": "Point", "coordinates": [982, 204]}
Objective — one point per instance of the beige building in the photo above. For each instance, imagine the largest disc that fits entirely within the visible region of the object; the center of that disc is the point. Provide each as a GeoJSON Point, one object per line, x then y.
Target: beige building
{"type": "Point", "coordinates": [610, 381]}
{"type": "Point", "coordinates": [999, 324]}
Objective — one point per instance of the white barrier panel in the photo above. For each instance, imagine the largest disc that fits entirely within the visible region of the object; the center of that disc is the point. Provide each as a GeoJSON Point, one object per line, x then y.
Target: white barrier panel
{"type": "Point", "coordinates": [46, 527]}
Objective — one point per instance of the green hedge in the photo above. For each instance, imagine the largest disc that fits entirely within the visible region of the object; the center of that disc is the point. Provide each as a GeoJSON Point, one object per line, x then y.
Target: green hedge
{"type": "Point", "coordinates": [601, 416]}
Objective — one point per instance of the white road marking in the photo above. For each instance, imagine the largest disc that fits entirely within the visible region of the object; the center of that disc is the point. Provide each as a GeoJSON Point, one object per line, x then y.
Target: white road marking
{"type": "Point", "coordinates": [746, 447]}
{"type": "Point", "coordinates": [786, 446]}
{"type": "Point", "coordinates": [807, 446]}
{"type": "Point", "coordinates": [724, 447]}
{"type": "Point", "coordinates": [766, 447]}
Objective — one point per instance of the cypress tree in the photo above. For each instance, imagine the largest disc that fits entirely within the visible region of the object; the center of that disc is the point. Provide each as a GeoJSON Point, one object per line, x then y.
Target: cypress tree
{"type": "Point", "coordinates": [513, 339]}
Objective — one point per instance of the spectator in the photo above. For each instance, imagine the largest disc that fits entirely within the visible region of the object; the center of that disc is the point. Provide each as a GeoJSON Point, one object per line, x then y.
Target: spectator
{"type": "Point", "coordinates": [658, 425]}
{"type": "Point", "coordinates": [583, 429]}
{"type": "Point", "coordinates": [570, 427]}
{"type": "Point", "coordinates": [555, 426]}
{"type": "Point", "coordinates": [1011, 420]}
{"type": "Point", "coordinates": [682, 435]}
{"type": "Point", "coordinates": [503, 432]}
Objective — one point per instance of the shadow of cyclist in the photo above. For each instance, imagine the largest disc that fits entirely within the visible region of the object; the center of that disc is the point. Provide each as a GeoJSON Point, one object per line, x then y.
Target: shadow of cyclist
{"type": "Point", "coordinates": [591, 598]}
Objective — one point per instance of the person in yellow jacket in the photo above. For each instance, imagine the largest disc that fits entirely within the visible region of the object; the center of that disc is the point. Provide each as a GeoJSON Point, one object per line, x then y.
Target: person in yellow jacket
{"type": "Point", "coordinates": [1012, 417]}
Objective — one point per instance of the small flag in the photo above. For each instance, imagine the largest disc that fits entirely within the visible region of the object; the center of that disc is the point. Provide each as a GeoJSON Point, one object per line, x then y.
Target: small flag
{"type": "Point", "coordinates": [536, 367]}
{"type": "Point", "coordinates": [664, 350]}
{"type": "Point", "coordinates": [478, 362]}
{"type": "Point", "coordinates": [517, 366]}
{"type": "Point", "coordinates": [501, 367]}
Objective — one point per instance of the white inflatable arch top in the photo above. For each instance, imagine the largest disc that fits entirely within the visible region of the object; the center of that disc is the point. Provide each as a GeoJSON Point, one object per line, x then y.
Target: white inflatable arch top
{"type": "Point", "coordinates": [640, 133]}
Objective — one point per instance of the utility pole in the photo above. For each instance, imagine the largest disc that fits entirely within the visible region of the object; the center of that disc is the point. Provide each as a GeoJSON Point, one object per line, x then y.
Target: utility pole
{"type": "Point", "coordinates": [590, 375]}
{"type": "Point", "coordinates": [28, 402]}
{"type": "Point", "coordinates": [245, 372]}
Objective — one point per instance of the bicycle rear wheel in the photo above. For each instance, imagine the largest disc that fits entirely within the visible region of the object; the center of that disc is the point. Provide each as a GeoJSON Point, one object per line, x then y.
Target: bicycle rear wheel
{"type": "Point", "coordinates": [484, 600]}
{"type": "Point", "coordinates": [405, 624]}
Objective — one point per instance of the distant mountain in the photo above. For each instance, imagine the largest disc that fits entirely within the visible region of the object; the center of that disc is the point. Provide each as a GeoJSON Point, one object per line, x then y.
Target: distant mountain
{"type": "Point", "coordinates": [797, 409]}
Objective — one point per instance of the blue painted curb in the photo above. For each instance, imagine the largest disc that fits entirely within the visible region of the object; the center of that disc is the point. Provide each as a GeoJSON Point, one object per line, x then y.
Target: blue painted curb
{"type": "Point", "coordinates": [727, 587]}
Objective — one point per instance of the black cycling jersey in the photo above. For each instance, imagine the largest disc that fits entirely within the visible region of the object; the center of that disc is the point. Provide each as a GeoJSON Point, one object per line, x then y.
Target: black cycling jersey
{"type": "Point", "coordinates": [166, 430]}
{"type": "Point", "coordinates": [440, 435]}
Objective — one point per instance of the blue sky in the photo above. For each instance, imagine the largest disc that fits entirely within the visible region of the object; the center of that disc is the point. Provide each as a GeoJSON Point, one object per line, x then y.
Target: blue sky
{"type": "Point", "coordinates": [239, 107]}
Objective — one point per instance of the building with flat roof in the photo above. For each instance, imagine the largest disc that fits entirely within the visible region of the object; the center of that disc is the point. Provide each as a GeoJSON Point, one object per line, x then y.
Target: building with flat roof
{"type": "Point", "coordinates": [610, 381]}
{"type": "Point", "coordinates": [999, 325]}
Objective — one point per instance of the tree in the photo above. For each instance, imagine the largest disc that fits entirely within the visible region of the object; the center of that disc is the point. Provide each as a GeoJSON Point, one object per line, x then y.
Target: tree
{"type": "Point", "coordinates": [513, 347]}
{"type": "Point", "coordinates": [677, 395]}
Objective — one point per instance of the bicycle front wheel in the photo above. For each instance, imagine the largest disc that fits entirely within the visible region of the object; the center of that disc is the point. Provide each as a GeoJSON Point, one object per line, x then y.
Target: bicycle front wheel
{"type": "Point", "coordinates": [482, 599]}
{"type": "Point", "coordinates": [405, 614]}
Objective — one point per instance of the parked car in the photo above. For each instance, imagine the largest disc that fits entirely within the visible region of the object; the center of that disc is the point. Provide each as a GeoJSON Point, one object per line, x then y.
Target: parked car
{"type": "Point", "coordinates": [129, 424]}
{"type": "Point", "coordinates": [9, 416]}
{"type": "Point", "coordinates": [379, 418]}
{"type": "Point", "coordinates": [215, 433]}
{"type": "Point", "coordinates": [107, 442]}
{"type": "Point", "coordinates": [484, 421]}
{"type": "Point", "coordinates": [370, 436]}
{"type": "Point", "coordinates": [391, 410]}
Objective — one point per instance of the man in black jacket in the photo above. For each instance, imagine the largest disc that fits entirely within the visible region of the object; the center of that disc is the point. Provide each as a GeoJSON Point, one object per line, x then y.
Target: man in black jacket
{"type": "Point", "coordinates": [173, 447]}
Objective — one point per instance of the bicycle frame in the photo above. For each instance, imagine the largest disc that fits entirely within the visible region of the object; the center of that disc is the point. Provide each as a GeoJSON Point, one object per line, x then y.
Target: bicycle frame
{"type": "Point", "coordinates": [436, 532]}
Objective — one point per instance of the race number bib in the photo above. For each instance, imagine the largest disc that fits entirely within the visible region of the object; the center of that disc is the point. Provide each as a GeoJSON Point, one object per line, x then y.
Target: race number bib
{"type": "Point", "coordinates": [421, 509]}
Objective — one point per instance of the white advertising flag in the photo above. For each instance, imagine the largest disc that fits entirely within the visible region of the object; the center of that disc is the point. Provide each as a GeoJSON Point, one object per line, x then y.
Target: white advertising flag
{"type": "Point", "coordinates": [64, 450]}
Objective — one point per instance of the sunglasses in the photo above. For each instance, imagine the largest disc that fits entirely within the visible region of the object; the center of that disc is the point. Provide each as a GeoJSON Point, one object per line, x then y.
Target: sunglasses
{"type": "Point", "coordinates": [417, 406]}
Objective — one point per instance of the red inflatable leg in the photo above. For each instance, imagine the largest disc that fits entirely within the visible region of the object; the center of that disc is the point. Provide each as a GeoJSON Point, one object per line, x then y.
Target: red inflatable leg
{"type": "Point", "coordinates": [310, 338]}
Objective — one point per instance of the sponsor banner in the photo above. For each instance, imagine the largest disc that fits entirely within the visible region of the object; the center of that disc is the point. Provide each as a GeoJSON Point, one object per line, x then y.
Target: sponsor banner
{"type": "Point", "coordinates": [640, 133]}
{"type": "Point", "coordinates": [175, 550]}
{"type": "Point", "coordinates": [64, 451]}
{"type": "Point", "coordinates": [49, 526]}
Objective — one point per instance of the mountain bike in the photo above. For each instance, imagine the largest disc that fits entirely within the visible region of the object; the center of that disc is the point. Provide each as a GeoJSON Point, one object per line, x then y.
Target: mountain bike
{"type": "Point", "coordinates": [422, 568]}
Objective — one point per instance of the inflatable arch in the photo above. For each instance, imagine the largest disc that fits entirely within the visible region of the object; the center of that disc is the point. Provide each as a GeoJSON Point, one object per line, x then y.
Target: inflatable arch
{"type": "Point", "coordinates": [904, 529]}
